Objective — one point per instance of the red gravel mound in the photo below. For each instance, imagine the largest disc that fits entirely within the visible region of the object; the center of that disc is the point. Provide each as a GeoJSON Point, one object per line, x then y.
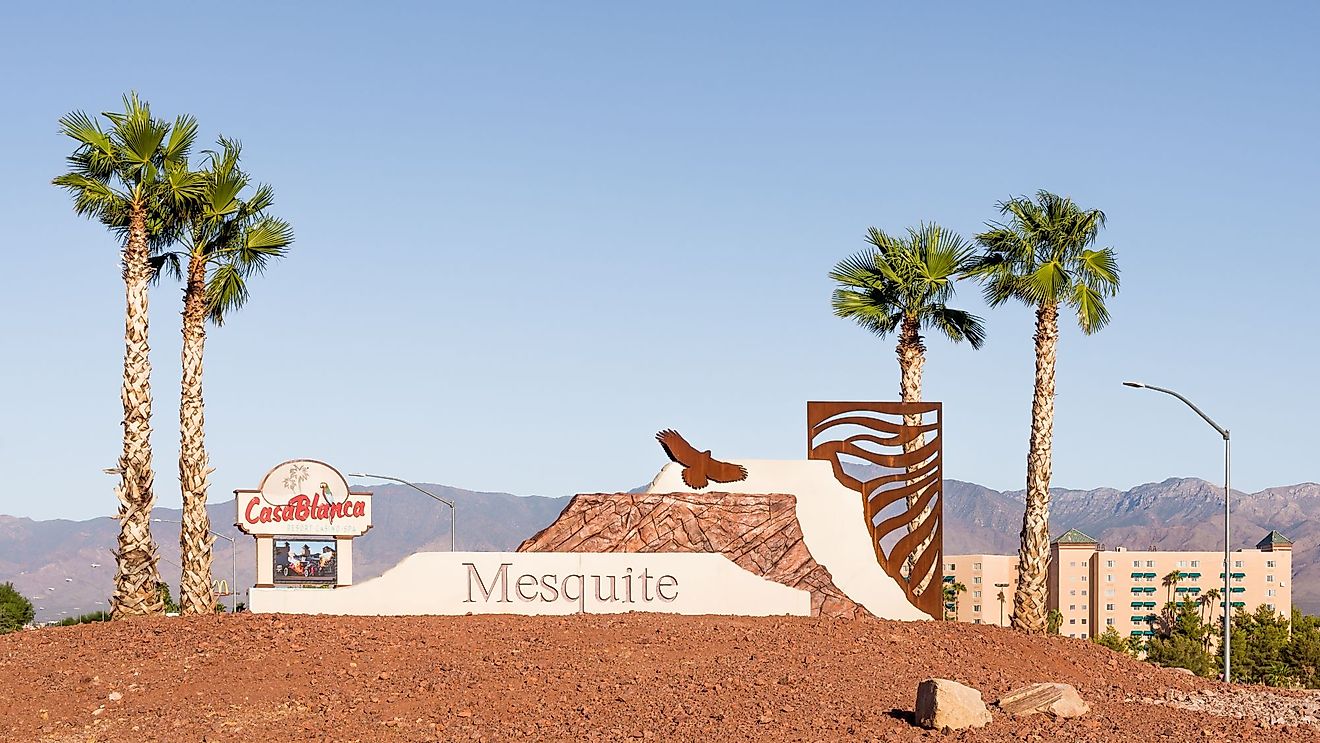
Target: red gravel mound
{"type": "Point", "coordinates": [492, 678]}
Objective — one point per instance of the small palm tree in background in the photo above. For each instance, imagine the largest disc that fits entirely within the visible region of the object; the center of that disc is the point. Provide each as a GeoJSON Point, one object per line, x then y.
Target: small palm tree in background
{"type": "Point", "coordinates": [1207, 602]}
{"type": "Point", "coordinates": [951, 599]}
{"type": "Point", "coordinates": [230, 236]}
{"type": "Point", "coordinates": [902, 285]}
{"type": "Point", "coordinates": [1054, 622]}
{"type": "Point", "coordinates": [133, 177]}
{"type": "Point", "coordinates": [1171, 582]}
{"type": "Point", "coordinates": [1042, 257]}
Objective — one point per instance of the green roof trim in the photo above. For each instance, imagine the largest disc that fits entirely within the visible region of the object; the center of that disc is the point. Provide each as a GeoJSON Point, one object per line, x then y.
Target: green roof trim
{"type": "Point", "coordinates": [1272, 539]}
{"type": "Point", "coordinates": [1072, 536]}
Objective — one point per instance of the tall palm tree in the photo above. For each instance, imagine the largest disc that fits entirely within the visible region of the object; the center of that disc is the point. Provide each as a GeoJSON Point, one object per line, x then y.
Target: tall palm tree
{"type": "Point", "coordinates": [902, 285]}
{"type": "Point", "coordinates": [1042, 256]}
{"type": "Point", "coordinates": [133, 177]}
{"type": "Point", "coordinates": [230, 236]}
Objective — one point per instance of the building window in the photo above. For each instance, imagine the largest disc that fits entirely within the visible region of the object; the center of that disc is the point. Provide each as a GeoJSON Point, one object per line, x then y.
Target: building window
{"type": "Point", "coordinates": [976, 607]}
{"type": "Point", "coordinates": [1083, 634]}
{"type": "Point", "coordinates": [1072, 563]}
{"type": "Point", "coordinates": [1109, 563]}
{"type": "Point", "coordinates": [1083, 620]}
{"type": "Point", "coordinates": [976, 579]}
{"type": "Point", "coordinates": [1073, 592]}
{"type": "Point", "coordinates": [1269, 579]}
{"type": "Point", "coordinates": [1109, 579]}
{"type": "Point", "coordinates": [976, 566]}
{"type": "Point", "coordinates": [951, 567]}
{"type": "Point", "coordinates": [1150, 563]}
{"type": "Point", "coordinates": [1109, 607]}
{"type": "Point", "coordinates": [1109, 592]}
{"type": "Point", "coordinates": [1072, 621]}
{"type": "Point", "coordinates": [1270, 592]}
{"type": "Point", "coordinates": [1109, 621]}
{"type": "Point", "coordinates": [1237, 563]}
{"type": "Point", "coordinates": [1269, 563]}
{"type": "Point", "coordinates": [1083, 591]}
{"type": "Point", "coordinates": [1072, 607]}
{"type": "Point", "coordinates": [1136, 563]}
{"type": "Point", "coordinates": [1196, 563]}
{"type": "Point", "coordinates": [1083, 578]}
{"type": "Point", "coordinates": [976, 594]}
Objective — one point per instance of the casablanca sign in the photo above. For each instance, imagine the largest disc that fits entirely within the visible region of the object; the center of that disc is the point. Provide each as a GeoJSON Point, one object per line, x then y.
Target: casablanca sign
{"type": "Point", "coordinates": [303, 503]}
{"type": "Point", "coordinates": [304, 497]}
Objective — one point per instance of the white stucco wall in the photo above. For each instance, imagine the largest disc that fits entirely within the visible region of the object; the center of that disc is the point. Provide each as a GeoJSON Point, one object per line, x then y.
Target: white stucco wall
{"type": "Point", "coordinates": [833, 526]}
{"type": "Point", "coordinates": [449, 583]}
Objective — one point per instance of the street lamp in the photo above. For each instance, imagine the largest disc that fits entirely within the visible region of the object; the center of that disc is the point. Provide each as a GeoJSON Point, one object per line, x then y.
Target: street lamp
{"type": "Point", "coordinates": [1228, 471]}
{"type": "Point", "coordinates": [1001, 587]}
{"type": "Point", "coordinates": [233, 559]}
{"type": "Point", "coordinates": [420, 490]}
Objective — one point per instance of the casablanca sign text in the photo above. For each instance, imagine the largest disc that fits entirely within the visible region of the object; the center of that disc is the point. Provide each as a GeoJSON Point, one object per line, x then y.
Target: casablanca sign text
{"type": "Point", "coordinates": [303, 497]}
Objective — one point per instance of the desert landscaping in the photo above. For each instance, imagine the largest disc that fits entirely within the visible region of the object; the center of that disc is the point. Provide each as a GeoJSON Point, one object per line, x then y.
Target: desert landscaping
{"type": "Point", "coordinates": [636, 676]}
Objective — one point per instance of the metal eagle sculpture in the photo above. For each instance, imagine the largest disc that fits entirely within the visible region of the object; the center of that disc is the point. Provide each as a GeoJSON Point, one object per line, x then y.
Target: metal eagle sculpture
{"type": "Point", "coordinates": [699, 468]}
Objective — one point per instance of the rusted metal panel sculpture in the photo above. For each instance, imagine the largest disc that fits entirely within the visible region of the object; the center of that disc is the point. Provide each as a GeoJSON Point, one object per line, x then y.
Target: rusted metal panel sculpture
{"type": "Point", "coordinates": [902, 492]}
{"type": "Point", "coordinates": [699, 469]}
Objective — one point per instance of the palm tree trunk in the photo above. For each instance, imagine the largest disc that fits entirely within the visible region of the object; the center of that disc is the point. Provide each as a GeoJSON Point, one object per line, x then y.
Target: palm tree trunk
{"type": "Point", "coordinates": [911, 357]}
{"type": "Point", "coordinates": [1029, 602]}
{"type": "Point", "coordinates": [136, 574]}
{"type": "Point", "coordinates": [195, 540]}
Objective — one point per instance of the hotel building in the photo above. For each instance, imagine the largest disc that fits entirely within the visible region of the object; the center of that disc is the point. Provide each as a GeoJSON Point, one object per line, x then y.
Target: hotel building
{"type": "Point", "coordinates": [985, 577]}
{"type": "Point", "coordinates": [1094, 588]}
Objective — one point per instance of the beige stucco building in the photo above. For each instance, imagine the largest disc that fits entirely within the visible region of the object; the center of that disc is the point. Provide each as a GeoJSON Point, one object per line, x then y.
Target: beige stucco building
{"type": "Point", "coordinates": [1094, 588]}
{"type": "Point", "coordinates": [985, 577]}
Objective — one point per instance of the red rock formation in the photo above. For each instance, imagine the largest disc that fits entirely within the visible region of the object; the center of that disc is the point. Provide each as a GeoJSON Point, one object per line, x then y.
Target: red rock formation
{"type": "Point", "coordinates": [760, 533]}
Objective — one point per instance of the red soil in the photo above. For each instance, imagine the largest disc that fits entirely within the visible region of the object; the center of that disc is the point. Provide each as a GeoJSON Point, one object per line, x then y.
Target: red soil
{"type": "Point", "coordinates": [645, 676]}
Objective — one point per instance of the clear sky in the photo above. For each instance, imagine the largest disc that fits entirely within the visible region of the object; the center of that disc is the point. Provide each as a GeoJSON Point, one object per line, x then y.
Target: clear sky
{"type": "Point", "coordinates": [530, 235]}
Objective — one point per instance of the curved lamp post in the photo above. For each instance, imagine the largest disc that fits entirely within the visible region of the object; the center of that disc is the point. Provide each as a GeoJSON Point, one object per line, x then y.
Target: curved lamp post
{"type": "Point", "coordinates": [233, 559]}
{"type": "Point", "coordinates": [1228, 470]}
{"type": "Point", "coordinates": [424, 492]}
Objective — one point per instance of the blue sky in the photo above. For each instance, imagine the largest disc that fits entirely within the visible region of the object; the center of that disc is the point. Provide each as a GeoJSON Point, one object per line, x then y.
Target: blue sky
{"type": "Point", "coordinates": [531, 235]}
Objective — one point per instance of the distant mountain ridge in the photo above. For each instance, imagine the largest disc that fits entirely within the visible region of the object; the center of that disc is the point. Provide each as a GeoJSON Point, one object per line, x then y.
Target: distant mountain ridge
{"type": "Point", "coordinates": [1179, 513]}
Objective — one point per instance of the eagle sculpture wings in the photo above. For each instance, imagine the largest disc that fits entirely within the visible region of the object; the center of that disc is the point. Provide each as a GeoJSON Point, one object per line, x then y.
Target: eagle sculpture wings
{"type": "Point", "coordinates": [699, 469]}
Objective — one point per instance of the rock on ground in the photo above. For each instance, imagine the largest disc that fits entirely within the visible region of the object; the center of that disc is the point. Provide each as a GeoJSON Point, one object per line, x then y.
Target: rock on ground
{"type": "Point", "coordinates": [948, 705]}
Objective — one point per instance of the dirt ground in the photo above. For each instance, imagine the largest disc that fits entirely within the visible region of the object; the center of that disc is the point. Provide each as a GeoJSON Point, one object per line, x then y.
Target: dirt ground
{"type": "Point", "coordinates": [638, 676]}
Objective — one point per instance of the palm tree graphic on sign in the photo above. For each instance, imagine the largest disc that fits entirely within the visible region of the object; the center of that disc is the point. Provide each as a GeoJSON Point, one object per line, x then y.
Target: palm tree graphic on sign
{"type": "Point", "coordinates": [296, 477]}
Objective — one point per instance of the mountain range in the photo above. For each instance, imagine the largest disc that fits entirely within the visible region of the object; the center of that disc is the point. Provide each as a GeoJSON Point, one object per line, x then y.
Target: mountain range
{"type": "Point", "coordinates": [67, 567]}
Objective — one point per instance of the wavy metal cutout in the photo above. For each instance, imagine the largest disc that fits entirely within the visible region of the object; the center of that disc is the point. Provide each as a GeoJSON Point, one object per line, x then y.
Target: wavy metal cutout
{"type": "Point", "coordinates": [903, 489]}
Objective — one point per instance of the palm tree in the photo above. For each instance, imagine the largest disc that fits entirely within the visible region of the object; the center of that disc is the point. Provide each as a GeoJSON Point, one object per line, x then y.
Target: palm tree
{"type": "Point", "coordinates": [956, 590]}
{"type": "Point", "coordinates": [1054, 621]}
{"type": "Point", "coordinates": [903, 285]}
{"type": "Point", "coordinates": [1043, 258]}
{"type": "Point", "coordinates": [1171, 582]}
{"type": "Point", "coordinates": [230, 237]}
{"type": "Point", "coordinates": [133, 177]}
{"type": "Point", "coordinates": [1207, 602]}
